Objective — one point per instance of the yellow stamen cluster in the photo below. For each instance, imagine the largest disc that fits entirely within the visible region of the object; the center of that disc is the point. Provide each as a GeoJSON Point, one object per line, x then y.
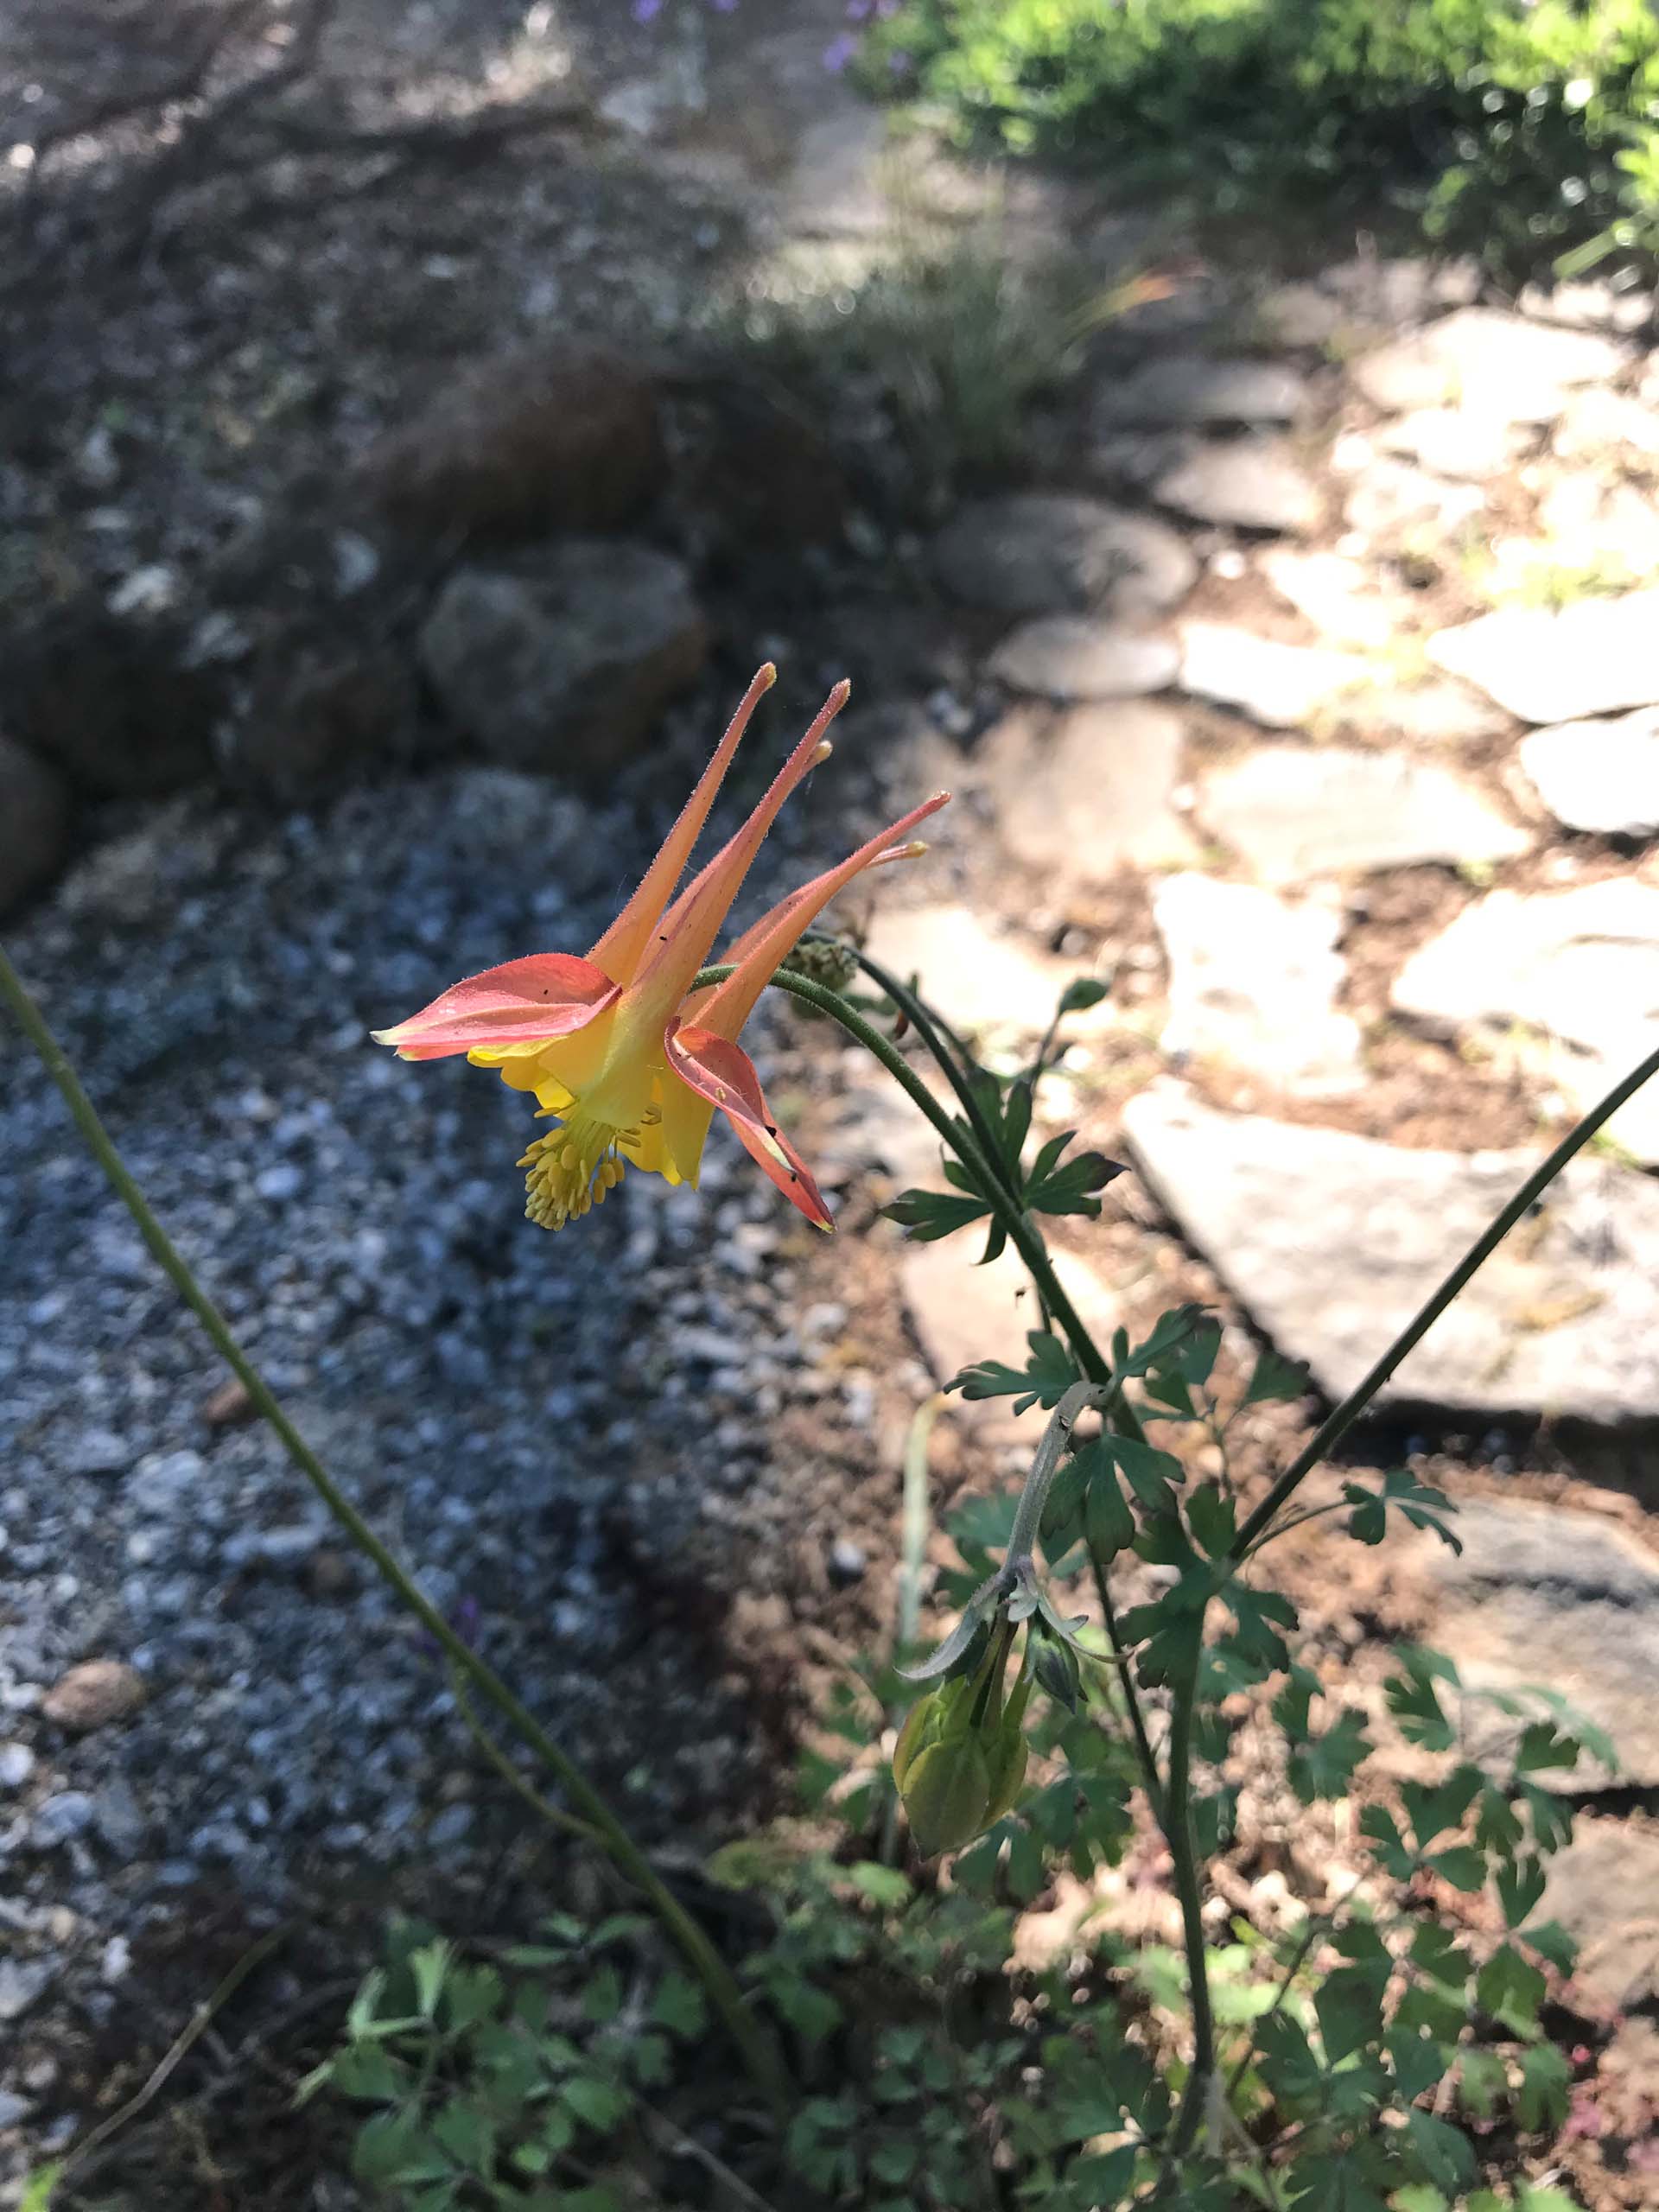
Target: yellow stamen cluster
{"type": "Point", "coordinates": [570, 1170]}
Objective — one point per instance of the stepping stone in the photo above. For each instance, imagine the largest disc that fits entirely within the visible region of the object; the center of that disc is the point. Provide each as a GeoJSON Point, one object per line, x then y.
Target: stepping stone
{"type": "Point", "coordinates": [1588, 306]}
{"type": "Point", "coordinates": [1597, 657]}
{"type": "Point", "coordinates": [1404, 289]}
{"type": "Point", "coordinates": [1581, 967]}
{"type": "Point", "coordinates": [1438, 712]}
{"type": "Point", "coordinates": [1547, 1596]}
{"type": "Point", "coordinates": [1600, 529]}
{"type": "Point", "coordinates": [1253, 982]}
{"type": "Point", "coordinates": [1331, 1242]}
{"type": "Point", "coordinates": [1336, 596]}
{"type": "Point", "coordinates": [962, 1314]}
{"type": "Point", "coordinates": [1069, 659]}
{"type": "Point", "coordinates": [1081, 795]}
{"type": "Point", "coordinates": [1249, 483]}
{"type": "Point", "coordinates": [1603, 777]}
{"type": "Point", "coordinates": [1294, 812]}
{"type": "Point", "coordinates": [1282, 686]}
{"type": "Point", "coordinates": [1300, 315]}
{"type": "Point", "coordinates": [1054, 553]}
{"type": "Point", "coordinates": [1486, 359]}
{"type": "Point", "coordinates": [1604, 1889]}
{"type": "Point", "coordinates": [1458, 441]}
{"type": "Point", "coordinates": [1194, 389]}
{"type": "Point", "coordinates": [1597, 421]}
{"type": "Point", "coordinates": [1391, 496]}
{"type": "Point", "coordinates": [981, 982]}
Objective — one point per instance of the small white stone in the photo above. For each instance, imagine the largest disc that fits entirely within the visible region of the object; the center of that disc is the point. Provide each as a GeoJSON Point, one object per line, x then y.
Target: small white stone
{"type": "Point", "coordinates": [149, 590]}
{"type": "Point", "coordinates": [1598, 776]}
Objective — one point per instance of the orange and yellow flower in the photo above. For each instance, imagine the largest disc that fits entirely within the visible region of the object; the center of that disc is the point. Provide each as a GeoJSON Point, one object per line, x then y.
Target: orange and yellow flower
{"type": "Point", "coordinates": [629, 1062]}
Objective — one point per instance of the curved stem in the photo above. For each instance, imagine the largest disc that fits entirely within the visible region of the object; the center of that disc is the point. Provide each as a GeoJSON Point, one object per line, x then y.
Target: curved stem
{"type": "Point", "coordinates": [544, 1809]}
{"type": "Point", "coordinates": [1027, 1242]}
{"type": "Point", "coordinates": [1150, 1779]}
{"type": "Point", "coordinates": [1177, 1832]}
{"type": "Point", "coordinates": [618, 1846]}
{"type": "Point", "coordinates": [1342, 1418]}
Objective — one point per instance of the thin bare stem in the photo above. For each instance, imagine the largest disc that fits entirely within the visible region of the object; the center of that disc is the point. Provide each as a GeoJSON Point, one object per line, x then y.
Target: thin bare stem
{"type": "Point", "coordinates": [1342, 1418]}
{"type": "Point", "coordinates": [698, 1951]}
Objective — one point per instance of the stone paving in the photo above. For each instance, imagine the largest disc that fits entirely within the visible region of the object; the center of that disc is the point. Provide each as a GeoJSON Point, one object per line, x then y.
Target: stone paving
{"type": "Point", "coordinates": [1396, 587]}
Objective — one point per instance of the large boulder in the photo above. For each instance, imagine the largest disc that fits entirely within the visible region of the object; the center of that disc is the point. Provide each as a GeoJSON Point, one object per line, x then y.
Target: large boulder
{"type": "Point", "coordinates": [111, 702]}
{"type": "Point", "coordinates": [34, 822]}
{"type": "Point", "coordinates": [319, 711]}
{"type": "Point", "coordinates": [563, 660]}
{"type": "Point", "coordinates": [552, 437]}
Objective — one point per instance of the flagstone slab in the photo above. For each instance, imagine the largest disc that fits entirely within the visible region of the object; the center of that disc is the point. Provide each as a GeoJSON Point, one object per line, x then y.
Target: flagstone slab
{"type": "Point", "coordinates": [1253, 982]}
{"type": "Point", "coordinates": [1070, 658]}
{"type": "Point", "coordinates": [1282, 686]}
{"type": "Point", "coordinates": [1579, 969]}
{"type": "Point", "coordinates": [962, 1314]}
{"type": "Point", "coordinates": [1057, 553]}
{"type": "Point", "coordinates": [1597, 421]}
{"type": "Point", "coordinates": [1197, 388]}
{"type": "Point", "coordinates": [1596, 656]}
{"type": "Point", "coordinates": [1080, 795]}
{"type": "Point", "coordinates": [1337, 596]}
{"type": "Point", "coordinates": [1548, 1596]}
{"type": "Point", "coordinates": [983, 982]}
{"type": "Point", "coordinates": [1486, 358]}
{"type": "Point", "coordinates": [1465, 442]}
{"type": "Point", "coordinates": [1390, 496]}
{"type": "Point", "coordinates": [1296, 812]}
{"type": "Point", "coordinates": [1246, 483]}
{"type": "Point", "coordinates": [1331, 1242]}
{"type": "Point", "coordinates": [1598, 776]}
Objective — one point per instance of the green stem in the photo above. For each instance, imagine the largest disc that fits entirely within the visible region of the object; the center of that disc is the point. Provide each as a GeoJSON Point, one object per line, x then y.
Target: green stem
{"type": "Point", "coordinates": [1177, 1832]}
{"type": "Point", "coordinates": [1343, 1417]}
{"type": "Point", "coordinates": [555, 1815]}
{"type": "Point", "coordinates": [1018, 1226]}
{"type": "Point", "coordinates": [1150, 1779]}
{"type": "Point", "coordinates": [699, 1953]}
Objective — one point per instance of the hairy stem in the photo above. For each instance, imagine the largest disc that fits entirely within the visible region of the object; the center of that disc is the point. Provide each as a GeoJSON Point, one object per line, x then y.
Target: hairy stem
{"type": "Point", "coordinates": [1342, 1418]}
{"type": "Point", "coordinates": [698, 1951]}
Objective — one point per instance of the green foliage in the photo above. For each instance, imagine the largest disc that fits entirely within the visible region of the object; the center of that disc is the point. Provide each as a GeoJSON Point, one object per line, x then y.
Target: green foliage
{"type": "Point", "coordinates": [1526, 128]}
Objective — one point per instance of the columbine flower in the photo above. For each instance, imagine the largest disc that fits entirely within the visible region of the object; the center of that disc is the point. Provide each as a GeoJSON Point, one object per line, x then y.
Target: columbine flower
{"type": "Point", "coordinates": [630, 1066]}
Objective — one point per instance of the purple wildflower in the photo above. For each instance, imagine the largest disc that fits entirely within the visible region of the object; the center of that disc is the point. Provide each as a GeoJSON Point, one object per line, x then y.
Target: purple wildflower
{"type": "Point", "coordinates": [839, 51]}
{"type": "Point", "coordinates": [644, 9]}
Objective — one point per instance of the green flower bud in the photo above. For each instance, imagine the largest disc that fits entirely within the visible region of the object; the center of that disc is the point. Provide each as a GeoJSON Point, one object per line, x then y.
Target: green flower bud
{"type": "Point", "coordinates": [960, 1760]}
{"type": "Point", "coordinates": [947, 1794]}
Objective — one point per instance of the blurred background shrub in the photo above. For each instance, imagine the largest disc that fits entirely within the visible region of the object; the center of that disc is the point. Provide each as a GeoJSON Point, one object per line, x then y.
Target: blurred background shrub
{"type": "Point", "coordinates": [1526, 131]}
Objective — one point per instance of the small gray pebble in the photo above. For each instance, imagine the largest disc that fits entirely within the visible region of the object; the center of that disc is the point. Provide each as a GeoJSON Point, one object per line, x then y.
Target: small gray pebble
{"type": "Point", "coordinates": [848, 1561]}
{"type": "Point", "coordinates": [16, 1764]}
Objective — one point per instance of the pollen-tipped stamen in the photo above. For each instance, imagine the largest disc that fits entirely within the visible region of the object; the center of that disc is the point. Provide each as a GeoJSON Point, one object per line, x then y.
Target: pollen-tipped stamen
{"type": "Point", "coordinates": [571, 1168]}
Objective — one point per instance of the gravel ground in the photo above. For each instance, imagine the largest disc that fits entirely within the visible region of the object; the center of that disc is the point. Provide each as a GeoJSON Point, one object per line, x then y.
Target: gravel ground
{"type": "Point", "coordinates": [567, 1439]}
